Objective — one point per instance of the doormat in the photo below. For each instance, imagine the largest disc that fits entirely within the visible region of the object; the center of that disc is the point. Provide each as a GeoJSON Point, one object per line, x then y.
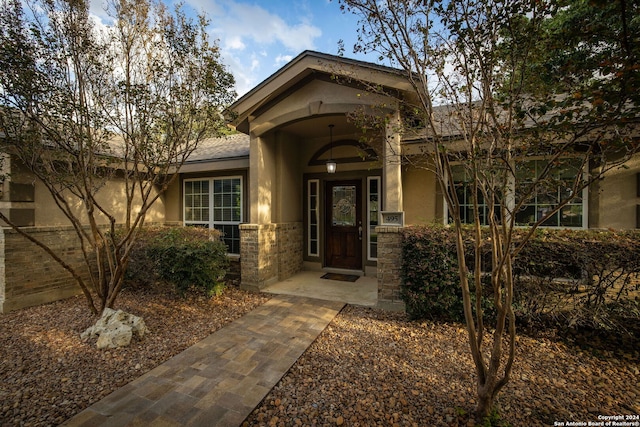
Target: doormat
{"type": "Point", "coordinates": [341, 277]}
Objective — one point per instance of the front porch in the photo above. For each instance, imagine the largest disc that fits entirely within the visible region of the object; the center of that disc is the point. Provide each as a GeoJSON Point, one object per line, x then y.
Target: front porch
{"type": "Point", "coordinates": [317, 185]}
{"type": "Point", "coordinates": [309, 283]}
{"type": "Point", "coordinates": [272, 261]}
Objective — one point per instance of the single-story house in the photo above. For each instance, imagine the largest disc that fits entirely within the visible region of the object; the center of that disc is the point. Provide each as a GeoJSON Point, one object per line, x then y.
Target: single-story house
{"type": "Point", "coordinates": [268, 189]}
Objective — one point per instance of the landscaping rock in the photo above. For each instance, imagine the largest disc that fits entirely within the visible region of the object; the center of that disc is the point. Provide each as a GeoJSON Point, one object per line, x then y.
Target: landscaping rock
{"type": "Point", "coordinates": [114, 329]}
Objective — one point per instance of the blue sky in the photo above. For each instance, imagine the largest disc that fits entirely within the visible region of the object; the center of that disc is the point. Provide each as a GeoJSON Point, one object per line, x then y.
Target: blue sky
{"type": "Point", "coordinates": [257, 37]}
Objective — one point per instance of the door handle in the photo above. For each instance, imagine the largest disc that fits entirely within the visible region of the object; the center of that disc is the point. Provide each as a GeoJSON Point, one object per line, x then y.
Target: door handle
{"type": "Point", "coordinates": [360, 232]}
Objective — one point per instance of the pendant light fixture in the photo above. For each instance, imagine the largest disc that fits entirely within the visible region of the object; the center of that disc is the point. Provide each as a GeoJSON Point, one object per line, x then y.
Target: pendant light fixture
{"type": "Point", "coordinates": [331, 164]}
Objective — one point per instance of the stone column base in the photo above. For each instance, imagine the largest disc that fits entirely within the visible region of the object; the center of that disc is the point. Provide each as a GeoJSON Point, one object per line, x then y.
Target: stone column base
{"type": "Point", "coordinates": [269, 253]}
{"type": "Point", "coordinates": [389, 264]}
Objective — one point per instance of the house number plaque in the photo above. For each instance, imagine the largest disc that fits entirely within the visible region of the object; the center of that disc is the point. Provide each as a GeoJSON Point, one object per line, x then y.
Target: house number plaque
{"type": "Point", "coordinates": [392, 218]}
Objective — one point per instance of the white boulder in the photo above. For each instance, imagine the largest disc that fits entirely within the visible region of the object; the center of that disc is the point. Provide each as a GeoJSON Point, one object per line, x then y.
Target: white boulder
{"type": "Point", "coordinates": [115, 328]}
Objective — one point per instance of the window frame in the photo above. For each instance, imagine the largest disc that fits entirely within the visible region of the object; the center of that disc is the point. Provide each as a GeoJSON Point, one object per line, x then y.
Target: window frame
{"type": "Point", "coordinates": [584, 204]}
{"type": "Point", "coordinates": [211, 222]}
{"type": "Point", "coordinates": [317, 210]}
{"type": "Point", "coordinates": [371, 230]}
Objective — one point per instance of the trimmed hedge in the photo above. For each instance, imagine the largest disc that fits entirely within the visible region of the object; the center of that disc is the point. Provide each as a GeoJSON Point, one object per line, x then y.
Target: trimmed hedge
{"type": "Point", "coordinates": [573, 277]}
{"type": "Point", "coordinates": [430, 285]}
{"type": "Point", "coordinates": [185, 257]}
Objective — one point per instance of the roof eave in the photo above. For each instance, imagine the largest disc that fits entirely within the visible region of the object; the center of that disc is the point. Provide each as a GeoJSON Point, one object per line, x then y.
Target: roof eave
{"type": "Point", "coordinates": [266, 90]}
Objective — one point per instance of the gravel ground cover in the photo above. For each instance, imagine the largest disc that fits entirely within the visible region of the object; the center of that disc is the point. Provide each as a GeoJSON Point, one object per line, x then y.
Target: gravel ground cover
{"type": "Point", "coordinates": [373, 368]}
{"type": "Point", "coordinates": [47, 374]}
{"type": "Point", "coordinates": [367, 368]}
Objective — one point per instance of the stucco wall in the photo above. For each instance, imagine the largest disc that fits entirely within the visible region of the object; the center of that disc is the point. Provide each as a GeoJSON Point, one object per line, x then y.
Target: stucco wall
{"type": "Point", "coordinates": [172, 201]}
{"type": "Point", "coordinates": [420, 196]}
{"type": "Point", "coordinates": [612, 202]}
{"type": "Point", "coordinates": [309, 147]}
{"type": "Point", "coordinates": [27, 201]}
{"type": "Point", "coordinates": [112, 196]}
{"type": "Point", "coordinates": [615, 198]}
{"type": "Point", "coordinates": [315, 97]}
{"type": "Point", "coordinates": [288, 192]}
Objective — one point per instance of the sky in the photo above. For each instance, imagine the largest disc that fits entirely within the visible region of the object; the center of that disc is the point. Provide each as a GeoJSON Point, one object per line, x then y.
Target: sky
{"type": "Point", "coordinates": [258, 37]}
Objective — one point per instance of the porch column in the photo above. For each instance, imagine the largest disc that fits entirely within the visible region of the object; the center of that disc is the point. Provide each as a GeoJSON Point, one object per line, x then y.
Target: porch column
{"type": "Point", "coordinates": [257, 237]}
{"type": "Point", "coordinates": [262, 177]}
{"type": "Point", "coordinates": [390, 237]}
{"type": "Point", "coordinates": [392, 168]}
{"type": "Point", "coordinates": [271, 243]}
{"type": "Point", "coordinates": [389, 267]}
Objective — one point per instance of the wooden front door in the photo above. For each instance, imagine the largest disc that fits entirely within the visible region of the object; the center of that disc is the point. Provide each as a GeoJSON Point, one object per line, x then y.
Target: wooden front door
{"type": "Point", "coordinates": [343, 245]}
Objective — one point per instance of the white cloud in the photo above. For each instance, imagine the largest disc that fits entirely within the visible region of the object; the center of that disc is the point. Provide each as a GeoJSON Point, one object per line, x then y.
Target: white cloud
{"type": "Point", "coordinates": [233, 43]}
{"type": "Point", "coordinates": [97, 8]}
{"type": "Point", "coordinates": [254, 42]}
{"type": "Point", "coordinates": [283, 59]}
{"type": "Point", "coordinates": [253, 22]}
{"type": "Point", "coordinates": [245, 77]}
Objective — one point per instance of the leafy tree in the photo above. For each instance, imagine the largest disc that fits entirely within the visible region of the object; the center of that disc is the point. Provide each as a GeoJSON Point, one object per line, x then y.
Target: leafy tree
{"type": "Point", "coordinates": [84, 105]}
{"type": "Point", "coordinates": [583, 40]}
{"type": "Point", "coordinates": [484, 110]}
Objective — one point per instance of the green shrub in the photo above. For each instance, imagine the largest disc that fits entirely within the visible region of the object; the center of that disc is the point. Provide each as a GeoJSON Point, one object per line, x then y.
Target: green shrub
{"type": "Point", "coordinates": [570, 277]}
{"type": "Point", "coordinates": [430, 285]}
{"type": "Point", "coordinates": [578, 277]}
{"type": "Point", "coordinates": [186, 257]}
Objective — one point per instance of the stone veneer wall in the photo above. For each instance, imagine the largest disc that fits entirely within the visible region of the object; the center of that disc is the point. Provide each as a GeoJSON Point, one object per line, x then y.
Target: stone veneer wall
{"type": "Point", "coordinates": [258, 255]}
{"type": "Point", "coordinates": [389, 263]}
{"type": "Point", "coordinates": [28, 275]}
{"type": "Point", "coordinates": [290, 249]}
{"type": "Point", "coordinates": [269, 252]}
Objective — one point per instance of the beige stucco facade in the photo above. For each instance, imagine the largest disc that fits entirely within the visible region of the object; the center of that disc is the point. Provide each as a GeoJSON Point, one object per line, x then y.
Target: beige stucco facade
{"type": "Point", "coordinates": [287, 119]}
{"type": "Point", "coordinates": [28, 276]}
{"type": "Point", "coordinates": [422, 204]}
{"type": "Point", "coordinates": [36, 207]}
{"type": "Point", "coordinates": [288, 127]}
{"type": "Point", "coordinates": [615, 201]}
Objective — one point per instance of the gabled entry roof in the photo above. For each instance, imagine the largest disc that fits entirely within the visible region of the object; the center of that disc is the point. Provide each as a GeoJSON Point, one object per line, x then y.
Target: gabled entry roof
{"type": "Point", "coordinates": [304, 66]}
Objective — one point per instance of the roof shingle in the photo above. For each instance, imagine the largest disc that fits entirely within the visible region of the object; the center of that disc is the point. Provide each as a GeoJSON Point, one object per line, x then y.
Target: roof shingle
{"type": "Point", "coordinates": [223, 148]}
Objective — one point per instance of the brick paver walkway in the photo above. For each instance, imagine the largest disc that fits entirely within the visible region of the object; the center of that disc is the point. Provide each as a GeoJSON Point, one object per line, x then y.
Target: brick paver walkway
{"type": "Point", "coordinates": [221, 379]}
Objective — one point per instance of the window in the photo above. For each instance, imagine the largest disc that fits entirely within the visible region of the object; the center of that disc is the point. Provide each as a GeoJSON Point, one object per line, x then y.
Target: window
{"type": "Point", "coordinates": [313, 243]}
{"type": "Point", "coordinates": [373, 210]}
{"type": "Point", "coordinates": [464, 189]}
{"type": "Point", "coordinates": [344, 205]}
{"type": "Point", "coordinates": [215, 203]}
{"type": "Point", "coordinates": [196, 202]}
{"type": "Point", "coordinates": [545, 198]}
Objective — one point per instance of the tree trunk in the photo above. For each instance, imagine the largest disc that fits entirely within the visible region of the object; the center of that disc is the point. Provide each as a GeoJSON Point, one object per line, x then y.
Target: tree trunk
{"type": "Point", "coordinates": [485, 401]}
